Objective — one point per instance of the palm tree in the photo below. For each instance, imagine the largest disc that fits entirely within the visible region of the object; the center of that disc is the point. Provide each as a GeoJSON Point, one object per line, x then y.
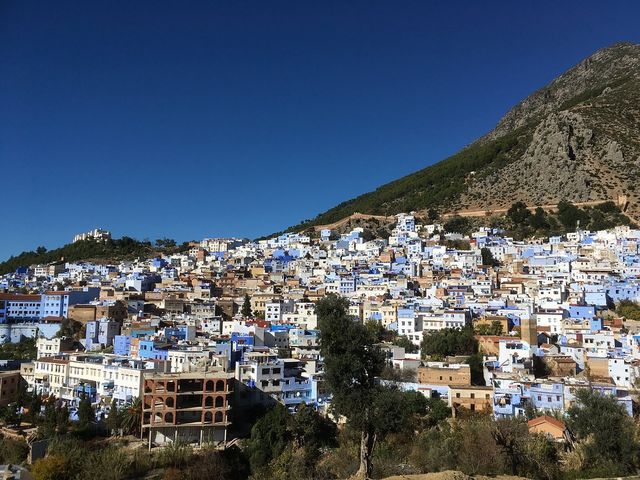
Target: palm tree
{"type": "Point", "coordinates": [132, 417]}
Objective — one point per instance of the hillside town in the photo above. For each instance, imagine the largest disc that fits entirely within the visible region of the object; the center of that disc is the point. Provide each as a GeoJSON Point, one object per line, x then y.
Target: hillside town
{"type": "Point", "coordinates": [204, 336]}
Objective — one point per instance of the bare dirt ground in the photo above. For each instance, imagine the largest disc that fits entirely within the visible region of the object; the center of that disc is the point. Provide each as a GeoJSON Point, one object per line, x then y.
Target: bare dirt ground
{"type": "Point", "coordinates": [455, 475]}
{"type": "Point", "coordinates": [451, 475]}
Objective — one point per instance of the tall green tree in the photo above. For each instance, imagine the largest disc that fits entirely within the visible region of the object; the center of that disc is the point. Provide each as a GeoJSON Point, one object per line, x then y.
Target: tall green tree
{"type": "Point", "coordinates": [33, 403]}
{"type": "Point", "coordinates": [607, 432]}
{"type": "Point", "coordinates": [458, 224]}
{"type": "Point", "coordinates": [269, 437]}
{"type": "Point", "coordinates": [68, 328]}
{"type": "Point", "coordinates": [376, 329]}
{"type": "Point", "coordinates": [23, 350]}
{"type": "Point", "coordinates": [86, 414]}
{"type": "Point", "coordinates": [539, 220]}
{"type": "Point", "coordinates": [519, 214]}
{"type": "Point", "coordinates": [476, 367]}
{"type": "Point", "coordinates": [570, 215]}
{"type": "Point", "coordinates": [488, 258]}
{"type": "Point", "coordinates": [310, 430]}
{"type": "Point", "coordinates": [449, 341]}
{"type": "Point", "coordinates": [114, 419]}
{"type": "Point", "coordinates": [165, 243]}
{"type": "Point", "coordinates": [353, 362]}
{"type": "Point", "coordinates": [12, 416]}
{"type": "Point", "coordinates": [246, 306]}
{"type": "Point", "coordinates": [62, 419]}
{"type": "Point", "coordinates": [404, 342]}
{"type": "Point", "coordinates": [49, 422]}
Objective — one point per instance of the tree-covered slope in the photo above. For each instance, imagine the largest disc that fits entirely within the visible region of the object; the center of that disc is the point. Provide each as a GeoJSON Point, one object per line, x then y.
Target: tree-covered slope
{"type": "Point", "coordinates": [123, 248]}
{"type": "Point", "coordinates": [434, 186]}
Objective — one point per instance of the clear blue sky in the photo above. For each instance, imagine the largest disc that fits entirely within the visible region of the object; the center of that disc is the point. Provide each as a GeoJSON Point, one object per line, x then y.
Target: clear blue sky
{"type": "Point", "coordinates": [216, 118]}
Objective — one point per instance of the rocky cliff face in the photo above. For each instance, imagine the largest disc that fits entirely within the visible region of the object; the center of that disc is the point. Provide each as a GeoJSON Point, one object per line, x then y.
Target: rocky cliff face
{"type": "Point", "coordinates": [585, 140]}
{"type": "Point", "coordinates": [577, 139]}
{"type": "Point", "coordinates": [595, 75]}
{"type": "Point", "coordinates": [558, 163]}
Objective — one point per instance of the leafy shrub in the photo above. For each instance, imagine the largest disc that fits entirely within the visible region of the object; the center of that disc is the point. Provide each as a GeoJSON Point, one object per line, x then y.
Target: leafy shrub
{"type": "Point", "coordinates": [449, 341]}
{"type": "Point", "coordinates": [52, 467]}
{"type": "Point", "coordinates": [13, 451]}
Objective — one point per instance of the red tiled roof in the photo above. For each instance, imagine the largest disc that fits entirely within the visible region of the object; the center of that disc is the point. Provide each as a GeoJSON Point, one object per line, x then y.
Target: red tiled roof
{"type": "Point", "coordinates": [19, 297]}
{"type": "Point", "coordinates": [546, 419]}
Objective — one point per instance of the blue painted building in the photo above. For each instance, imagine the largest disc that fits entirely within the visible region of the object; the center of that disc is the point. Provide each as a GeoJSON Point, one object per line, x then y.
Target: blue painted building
{"type": "Point", "coordinates": [148, 349]}
{"type": "Point", "coordinates": [623, 291]}
{"type": "Point", "coordinates": [595, 324]}
{"type": "Point", "coordinates": [547, 396]}
{"type": "Point", "coordinates": [509, 401]}
{"type": "Point", "coordinates": [159, 263]}
{"type": "Point", "coordinates": [122, 345]}
{"type": "Point", "coordinates": [582, 312]}
{"type": "Point", "coordinates": [100, 333]}
{"type": "Point", "coordinates": [180, 332]}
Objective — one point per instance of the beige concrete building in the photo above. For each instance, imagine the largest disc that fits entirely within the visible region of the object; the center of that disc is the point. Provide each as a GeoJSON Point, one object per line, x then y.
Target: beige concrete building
{"type": "Point", "coordinates": [440, 373]}
{"type": "Point", "coordinates": [473, 398]}
{"type": "Point", "coordinates": [9, 387]}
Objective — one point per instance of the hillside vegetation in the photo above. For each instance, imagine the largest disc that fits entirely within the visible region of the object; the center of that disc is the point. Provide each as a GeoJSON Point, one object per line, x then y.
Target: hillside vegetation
{"type": "Point", "coordinates": [576, 139]}
{"type": "Point", "coordinates": [437, 185]}
{"type": "Point", "coordinates": [519, 222]}
{"type": "Point", "coordinates": [110, 250]}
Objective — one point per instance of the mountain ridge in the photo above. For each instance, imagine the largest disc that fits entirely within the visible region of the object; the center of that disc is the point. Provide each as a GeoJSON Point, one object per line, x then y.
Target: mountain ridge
{"type": "Point", "coordinates": [576, 138]}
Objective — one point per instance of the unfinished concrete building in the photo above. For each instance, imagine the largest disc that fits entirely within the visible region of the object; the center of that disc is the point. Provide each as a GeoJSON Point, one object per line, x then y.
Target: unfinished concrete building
{"type": "Point", "coordinates": [190, 407]}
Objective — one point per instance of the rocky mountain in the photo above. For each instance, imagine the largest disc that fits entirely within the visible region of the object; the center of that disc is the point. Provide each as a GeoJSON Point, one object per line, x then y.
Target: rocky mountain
{"type": "Point", "coordinates": [577, 139]}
